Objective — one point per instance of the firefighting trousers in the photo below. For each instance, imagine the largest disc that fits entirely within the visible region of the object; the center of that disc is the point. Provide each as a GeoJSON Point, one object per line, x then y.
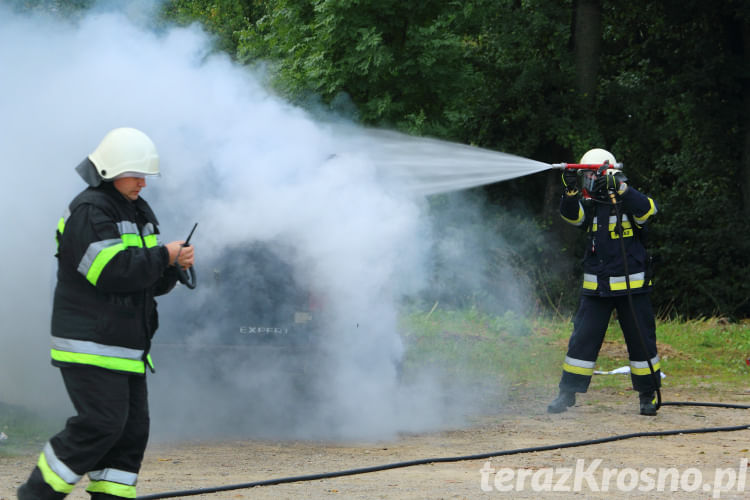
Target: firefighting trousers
{"type": "Point", "coordinates": [590, 325]}
{"type": "Point", "coordinates": [106, 439]}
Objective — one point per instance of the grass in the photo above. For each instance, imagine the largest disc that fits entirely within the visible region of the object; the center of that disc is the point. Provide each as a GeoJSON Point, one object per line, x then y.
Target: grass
{"type": "Point", "coordinates": [25, 430]}
{"type": "Point", "coordinates": [708, 348]}
{"type": "Point", "coordinates": [472, 345]}
{"type": "Point", "coordinates": [520, 352]}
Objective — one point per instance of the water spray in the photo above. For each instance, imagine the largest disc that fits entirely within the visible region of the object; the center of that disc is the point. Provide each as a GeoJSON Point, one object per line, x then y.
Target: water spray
{"type": "Point", "coordinates": [428, 166]}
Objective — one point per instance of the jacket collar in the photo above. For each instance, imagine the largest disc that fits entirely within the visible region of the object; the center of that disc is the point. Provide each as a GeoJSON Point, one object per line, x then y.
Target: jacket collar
{"type": "Point", "coordinates": [139, 205]}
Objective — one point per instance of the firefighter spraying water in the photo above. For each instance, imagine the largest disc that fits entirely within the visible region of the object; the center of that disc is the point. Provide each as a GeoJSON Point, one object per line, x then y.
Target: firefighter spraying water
{"type": "Point", "coordinates": [615, 216]}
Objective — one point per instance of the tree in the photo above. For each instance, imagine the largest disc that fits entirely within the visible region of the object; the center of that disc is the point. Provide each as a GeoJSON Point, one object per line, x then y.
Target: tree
{"type": "Point", "coordinates": [225, 18]}
{"type": "Point", "coordinates": [402, 63]}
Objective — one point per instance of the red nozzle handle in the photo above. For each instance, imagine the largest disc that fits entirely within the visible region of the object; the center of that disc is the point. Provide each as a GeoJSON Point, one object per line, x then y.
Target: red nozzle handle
{"type": "Point", "coordinates": [585, 166]}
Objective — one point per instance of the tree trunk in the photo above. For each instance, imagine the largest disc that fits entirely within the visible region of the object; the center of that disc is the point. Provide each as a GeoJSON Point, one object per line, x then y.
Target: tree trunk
{"type": "Point", "coordinates": [587, 27]}
{"type": "Point", "coordinates": [745, 173]}
{"type": "Point", "coordinates": [587, 43]}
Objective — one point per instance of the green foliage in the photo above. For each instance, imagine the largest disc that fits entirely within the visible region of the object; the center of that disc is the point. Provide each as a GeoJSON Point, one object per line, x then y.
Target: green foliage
{"type": "Point", "coordinates": [224, 18]}
{"type": "Point", "coordinates": [403, 63]}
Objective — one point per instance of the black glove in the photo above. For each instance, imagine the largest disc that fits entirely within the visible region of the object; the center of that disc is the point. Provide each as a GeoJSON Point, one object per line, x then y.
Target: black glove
{"type": "Point", "coordinates": [617, 182]}
{"type": "Point", "coordinates": [606, 183]}
{"type": "Point", "coordinates": [570, 180]}
{"type": "Point", "coordinates": [599, 188]}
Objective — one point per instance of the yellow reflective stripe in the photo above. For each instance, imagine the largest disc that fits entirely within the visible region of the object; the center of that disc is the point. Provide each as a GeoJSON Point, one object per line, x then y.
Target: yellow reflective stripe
{"type": "Point", "coordinates": [624, 286]}
{"type": "Point", "coordinates": [625, 225]}
{"type": "Point", "coordinates": [151, 240]}
{"type": "Point", "coordinates": [578, 366]}
{"type": "Point", "coordinates": [110, 488]}
{"type": "Point", "coordinates": [626, 233]}
{"type": "Point", "coordinates": [60, 229]}
{"type": "Point", "coordinates": [101, 260]}
{"type": "Point", "coordinates": [51, 478]}
{"type": "Point", "coordinates": [619, 282]}
{"type": "Point", "coordinates": [651, 211]}
{"type": "Point", "coordinates": [577, 221]}
{"type": "Point", "coordinates": [644, 371]}
{"type": "Point", "coordinates": [150, 363]}
{"type": "Point", "coordinates": [132, 240]}
{"type": "Point", "coordinates": [108, 362]}
{"type": "Point", "coordinates": [627, 230]}
{"type": "Point", "coordinates": [641, 367]}
{"type": "Point", "coordinates": [578, 370]}
{"type": "Point", "coordinates": [590, 282]}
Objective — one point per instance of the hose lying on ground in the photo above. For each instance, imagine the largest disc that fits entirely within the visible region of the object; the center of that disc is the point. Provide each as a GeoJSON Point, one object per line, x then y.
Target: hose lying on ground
{"type": "Point", "coordinates": [480, 456]}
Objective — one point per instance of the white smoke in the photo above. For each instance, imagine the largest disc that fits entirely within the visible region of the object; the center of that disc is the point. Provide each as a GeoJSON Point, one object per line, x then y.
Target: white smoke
{"type": "Point", "coordinates": [250, 168]}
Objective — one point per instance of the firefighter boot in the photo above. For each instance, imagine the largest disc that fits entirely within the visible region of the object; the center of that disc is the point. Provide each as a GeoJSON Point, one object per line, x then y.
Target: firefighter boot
{"type": "Point", "coordinates": [561, 402]}
{"type": "Point", "coordinates": [36, 489]}
{"type": "Point", "coordinates": [648, 403]}
{"type": "Point", "coordinates": [24, 493]}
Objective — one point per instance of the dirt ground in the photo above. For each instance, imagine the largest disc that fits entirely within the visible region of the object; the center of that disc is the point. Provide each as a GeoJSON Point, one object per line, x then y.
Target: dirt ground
{"type": "Point", "coordinates": [706, 465]}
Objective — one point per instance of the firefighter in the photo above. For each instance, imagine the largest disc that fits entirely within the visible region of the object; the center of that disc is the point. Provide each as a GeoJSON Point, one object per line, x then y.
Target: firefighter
{"type": "Point", "coordinates": [111, 265]}
{"type": "Point", "coordinates": [604, 282]}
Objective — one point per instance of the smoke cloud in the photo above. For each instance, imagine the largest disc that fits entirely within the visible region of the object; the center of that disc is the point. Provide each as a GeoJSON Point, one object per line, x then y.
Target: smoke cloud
{"type": "Point", "coordinates": [252, 170]}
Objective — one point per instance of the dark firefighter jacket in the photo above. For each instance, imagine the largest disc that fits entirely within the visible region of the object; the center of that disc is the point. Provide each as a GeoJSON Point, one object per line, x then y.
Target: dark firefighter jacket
{"type": "Point", "coordinates": [111, 265]}
{"type": "Point", "coordinates": [603, 265]}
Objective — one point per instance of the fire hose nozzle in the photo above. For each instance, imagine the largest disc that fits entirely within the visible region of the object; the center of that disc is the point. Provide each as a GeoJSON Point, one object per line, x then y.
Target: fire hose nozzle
{"type": "Point", "coordinates": [587, 166]}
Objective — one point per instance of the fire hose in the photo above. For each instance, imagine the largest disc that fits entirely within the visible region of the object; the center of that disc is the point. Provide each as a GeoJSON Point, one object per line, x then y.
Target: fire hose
{"type": "Point", "coordinates": [482, 456]}
{"type": "Point", "coordinates": [619, 229]}
{"type": "Point", "coordinates": [461, 458]}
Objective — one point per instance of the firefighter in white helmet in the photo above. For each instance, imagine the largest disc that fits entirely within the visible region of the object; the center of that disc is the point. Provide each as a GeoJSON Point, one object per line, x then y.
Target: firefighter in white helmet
{"type": "Point", "coordinates": [605, 286]}
{"type": "Point", "coordinates": [111, 265]}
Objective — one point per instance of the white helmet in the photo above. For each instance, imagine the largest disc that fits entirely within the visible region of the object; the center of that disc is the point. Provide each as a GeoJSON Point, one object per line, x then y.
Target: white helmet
{"type": "Point", "coordinates": [125, 151]}
{"type": "Point", "coordinates": [598, 156]}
